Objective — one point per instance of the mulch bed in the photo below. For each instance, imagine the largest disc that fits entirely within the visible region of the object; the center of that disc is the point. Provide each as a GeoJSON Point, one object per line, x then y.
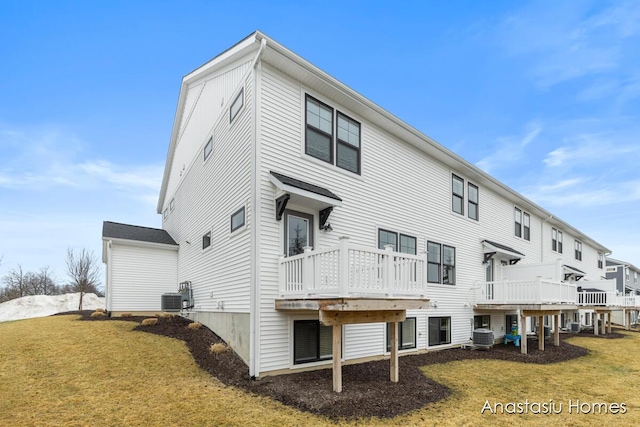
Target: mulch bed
{"type": "Point", "coordinates": [367, 391]}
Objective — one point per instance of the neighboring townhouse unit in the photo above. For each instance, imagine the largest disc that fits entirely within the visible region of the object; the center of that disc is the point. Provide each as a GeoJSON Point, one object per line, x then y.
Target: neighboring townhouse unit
{"type": "Point", "coordinates": [625, 275]}
{"type": "Point", "coordinates": [313, 226]}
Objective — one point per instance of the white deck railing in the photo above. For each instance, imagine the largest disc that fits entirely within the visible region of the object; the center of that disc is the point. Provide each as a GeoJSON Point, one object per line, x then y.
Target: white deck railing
{"type": "Point", "coordinates": [535, 291]}
{"type": "Point", "coordinates": [631, 301]}
{"type": "Point", "coordinates": [352, 270]}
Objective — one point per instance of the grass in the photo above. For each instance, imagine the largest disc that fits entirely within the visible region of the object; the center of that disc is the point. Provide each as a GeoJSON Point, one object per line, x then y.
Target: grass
{"type": "Point", "coordinates": [59, 371]}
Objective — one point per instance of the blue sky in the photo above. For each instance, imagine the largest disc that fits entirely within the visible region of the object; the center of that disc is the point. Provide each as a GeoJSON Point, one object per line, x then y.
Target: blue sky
{"type": "Point", "coordinates": [545, 96]}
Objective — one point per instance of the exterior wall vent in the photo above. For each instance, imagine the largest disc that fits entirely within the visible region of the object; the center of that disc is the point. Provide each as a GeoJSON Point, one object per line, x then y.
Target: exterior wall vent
{"type": "Point", "coordinates": [171, 302]}
{"type": "Point", "coordinates": [483, 337]}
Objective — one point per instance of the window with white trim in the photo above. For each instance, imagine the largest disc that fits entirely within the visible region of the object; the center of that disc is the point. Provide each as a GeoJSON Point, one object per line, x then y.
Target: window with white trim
{"type": "Point", "coordinates": [556, 240]}
{"type": "Point", "coordinates": [441, 263]}
{"type": "Point", "coordinates": [312, 341]}
{"type": "Point", "coordinates": [473, 201]}
{"type": "Point", "coordinates": [206, 240]}
{"type": "Point", "coordinates": [578, 250]}
{"type": "Point", "coordinates": [343, 150]}
{"type": "Point", "coordinates": [406, 334]}
{"type": "Point", "coordinates": [165, 214]}
{"type": "Point", "coordinates": [522, 221]}
{"type": "Point", "coordinates": [439, 330]}
{"type": "Point", "coordinates": [407, 244]}
{"type": "Point", "coordinates": [600, 260]}
{"type": "Point", "coordinates": [526, 226]}
{"type": "Point", "coordinates": [518, 222]}
{"type": "Point", "coordinates": [482, 321]}
{"type": "Point", "coordinates": [237, 219]}
{"type": "Point", "coordinates": [236, 106]}
{"type": "Point", "coordinates": [457, 194]}
{"type": "Point", "coordinates": [208, 148]}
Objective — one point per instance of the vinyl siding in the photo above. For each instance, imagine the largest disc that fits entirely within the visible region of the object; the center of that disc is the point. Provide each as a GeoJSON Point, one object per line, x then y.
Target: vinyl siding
{"type": "Point", "coordinates": [208, 194]}
{"type": "Point", "coordinates": [140, 275]}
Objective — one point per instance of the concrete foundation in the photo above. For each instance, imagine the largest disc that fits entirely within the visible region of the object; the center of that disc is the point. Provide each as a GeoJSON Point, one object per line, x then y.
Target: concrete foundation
{"type": "Point", "coordinates": [231, 327]}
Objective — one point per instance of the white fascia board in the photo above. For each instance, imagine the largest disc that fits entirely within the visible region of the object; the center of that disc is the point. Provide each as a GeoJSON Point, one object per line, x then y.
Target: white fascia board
{"type": "Point", "coordinates": [142, 243]}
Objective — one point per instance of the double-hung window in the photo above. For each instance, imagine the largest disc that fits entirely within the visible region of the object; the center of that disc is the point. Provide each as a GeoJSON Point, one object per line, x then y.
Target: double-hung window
{"type": "Point", "coordinates": [578, 250]}
{"type": "Point", "coordinates": [526, 226]}
{"type": "Point", "coordinates": [554, 239]}
{"type": "Point", "coordinates": [441, 264]}
{"type": "Point", "coordinates": [600, 260]}
{"type": "Point", "coordinates": [457, 197]}
{"type": "Point", "coordinates": [332, 136]}
{"type": "Point", "coordinates": [518, 222]}
{"type": "Point", "coordinates": [473, 201]}
{"type": "Point", "coordinates": [559, 241]}
{"type": "Point", "coordinates": [206, 240]}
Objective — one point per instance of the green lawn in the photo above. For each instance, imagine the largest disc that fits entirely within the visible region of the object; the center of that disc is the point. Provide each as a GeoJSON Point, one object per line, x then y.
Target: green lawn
{"type": "Point", "coordinates": [59, 371]}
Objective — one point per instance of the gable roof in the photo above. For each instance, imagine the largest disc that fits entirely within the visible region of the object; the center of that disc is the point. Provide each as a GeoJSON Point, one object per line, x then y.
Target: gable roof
{"type": "Point", "coordinates": [283, 59]}
{"type": "Point", "coordinates": [116, 230]}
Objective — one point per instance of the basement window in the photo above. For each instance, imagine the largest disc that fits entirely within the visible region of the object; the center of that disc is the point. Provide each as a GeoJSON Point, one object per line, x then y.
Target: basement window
{"type": "Point", "coordinates": [482, 321]}
{"type": "Point", "coordinates": [406, 334]}
{"type": "Point", "coordinates": [312, 341]}
{"type": "Point", "coordinates": [439, 330]}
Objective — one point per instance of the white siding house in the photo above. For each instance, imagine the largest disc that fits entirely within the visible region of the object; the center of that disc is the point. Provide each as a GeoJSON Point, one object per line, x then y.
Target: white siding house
{"type": "Point", "coordinates": [296, 203]}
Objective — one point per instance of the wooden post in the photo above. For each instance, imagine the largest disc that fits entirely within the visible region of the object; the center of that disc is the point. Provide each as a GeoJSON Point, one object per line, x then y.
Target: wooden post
{"type": "Point", "coordinates": [541, 333]}
{"type": "Point", "coordinates": [609, 322]}
{"type": "Point", "coordinates": [556, 331]}
{"type": "Point", "coordinates": [393, 367]}
{"type": "Point", "coordinates": [596, 328]}
{"type": "Point", "coordinates": [337, 356]}
{"type": "Point", "coordinates": [627, 319]}
{"type": "Point", "coordinates": [523, 333]}
{"type": "Point", "coordinates": [604, 324]}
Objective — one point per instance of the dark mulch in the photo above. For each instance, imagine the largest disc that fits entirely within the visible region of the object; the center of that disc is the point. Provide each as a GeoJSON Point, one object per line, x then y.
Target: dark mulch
{"type": "Point", "coordinates": [367, 390]}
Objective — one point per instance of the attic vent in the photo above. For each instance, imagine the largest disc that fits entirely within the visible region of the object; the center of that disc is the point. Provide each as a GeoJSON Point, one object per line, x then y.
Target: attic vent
{"type": "Point", "coordinates": [171, 302]}
{"type": "Point", "coordinates": [483, 337]}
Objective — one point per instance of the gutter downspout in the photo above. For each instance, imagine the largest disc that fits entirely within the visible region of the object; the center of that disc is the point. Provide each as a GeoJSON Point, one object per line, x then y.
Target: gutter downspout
{"type": "Point", "coordinates": [254, 304]}
{"type": "Point", "coordinates": [542, 237]}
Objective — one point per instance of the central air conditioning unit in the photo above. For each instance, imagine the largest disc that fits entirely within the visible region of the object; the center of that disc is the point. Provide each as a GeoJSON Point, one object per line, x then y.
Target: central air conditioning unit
{"type": "Point", "coordinates": [483, 337]}
{"type": "Point", "coordinates": [574, 327]}
{"type": "Point", "coordinates": [171, 302]}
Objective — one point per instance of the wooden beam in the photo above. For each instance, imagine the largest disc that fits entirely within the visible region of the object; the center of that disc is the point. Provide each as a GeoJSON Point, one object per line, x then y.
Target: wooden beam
{"type": "Point", "coordinates": [541, 333]}
{"type": "Point", "coordinates": [596, 329]}
{"type": "Point", "coordinates": [393, 368]}
{"type": "Point", "coordinates": [603, 330]}
{"type": "Point", "coordinates": [351, 304]}
{"type": "Point", "coordinates": [609, 322]}
{"type": "Point", "coordinates": [329, 318]}
{"type": "Point", "coordinates": [523, 333]}
{"type": "Point", "coordinates": [337, 358]}
{"type": "Point", "coordinates": [556, 330]}
{"type": "Point", "coordinates": [627, 315]}
{"type": "Point", "coordinates": [535, 313]}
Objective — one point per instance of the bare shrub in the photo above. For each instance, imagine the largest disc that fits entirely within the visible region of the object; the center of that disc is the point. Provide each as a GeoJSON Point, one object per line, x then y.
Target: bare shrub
{"type": "Point", "coordinates": [98, 314]}
{"type": "Point", "coordinates": [101, 310]}
{"type": "Point", "coordinates": [126, 315]}
{"type": "Point", "coordinates": [194, 325]}
{"type": "Point", "coordinates": [166, 315]}
{"type": "Point", "coordinates": [218, 348]}
{"type": "Point", "coordinates": [150, 322]}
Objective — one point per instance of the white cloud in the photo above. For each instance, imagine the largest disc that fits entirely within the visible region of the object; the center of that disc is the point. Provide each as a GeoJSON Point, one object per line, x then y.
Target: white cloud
{"type": "Point", "coordinates": [586, 150]}
{"type": "Point", "coordinates": [509, 150]}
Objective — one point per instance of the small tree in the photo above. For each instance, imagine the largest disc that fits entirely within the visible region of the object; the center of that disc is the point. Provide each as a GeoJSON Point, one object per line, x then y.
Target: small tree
{"type": "Point", "coordinates": [84, 272]}
{"type": "Point", "coordinates": [16, 284]}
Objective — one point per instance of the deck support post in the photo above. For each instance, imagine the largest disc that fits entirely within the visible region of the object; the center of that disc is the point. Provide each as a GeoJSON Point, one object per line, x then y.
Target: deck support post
{"type": "Point", "coordinates": [337, 356]}
{"type": "Point", "coordinates": [523, 333]}
{"type": "Point", "coordinates": [556, 330]}
{"type": "Point", "coordinates": [541, 333]}
{"type": "Point", "coordinates": [603, 330]}
{"type": "Point", "coordinates": [393, 367]}
{"type": "Point", "coordinates": [609, 322]}
{"type": "Point", "coordinates": [627, 319]}
{"type": "Point", "coordinates": [596, 328]}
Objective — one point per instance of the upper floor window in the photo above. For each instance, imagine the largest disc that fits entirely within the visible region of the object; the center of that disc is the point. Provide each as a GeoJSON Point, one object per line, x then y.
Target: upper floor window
{"type": "Point", "coordinates": [473, 201]}
{"type": "Point", "coordinates": [236, 106]}
{"type": "Point", "coordinates": [526, 226]}
{"type": "Point", "coordinates": [237, 219]}
{"type": "Point", "coordinates": [441, 263]}
{"type": "Point", "coordinates": [172, 205]}
{"type": "Point", "coordinates": [206, 240]}
{"type": "Point", "coordinates": [626, 273]}
{"type": "Point", "coordinates": [319, 136]}
{"type": "Point", "coordinates": [208, 148]}
{"type": "Point", "coordinates": [635, 277]}
{"type": "Point", "coordinates": [518, 222]}
{"type": "Point", "coordinates": [556, 240]}
{"type": "Point", "coordinates": [522, 222]}
{"type": "Point", "coordinates": [165, 214]}
{"type": "Point", "coordinates": [578, 250]}
{"type": "Point", "coordinates": [457, 190]}
{"type": "Point", "coordinates": [600, 260]}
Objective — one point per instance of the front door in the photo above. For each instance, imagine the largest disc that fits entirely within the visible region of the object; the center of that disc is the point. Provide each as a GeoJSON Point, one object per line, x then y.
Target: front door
{"type": "Point", "coordinates": [298, 232]}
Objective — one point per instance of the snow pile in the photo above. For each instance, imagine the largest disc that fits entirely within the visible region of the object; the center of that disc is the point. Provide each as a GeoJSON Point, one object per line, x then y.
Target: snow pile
{"type": "Point", "coordinates": [46, 305]}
